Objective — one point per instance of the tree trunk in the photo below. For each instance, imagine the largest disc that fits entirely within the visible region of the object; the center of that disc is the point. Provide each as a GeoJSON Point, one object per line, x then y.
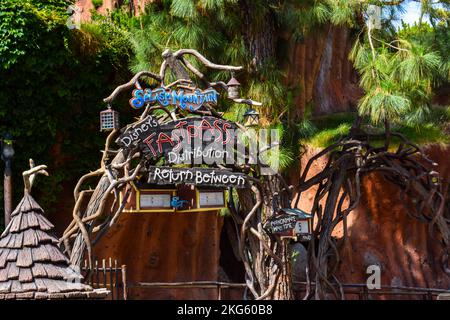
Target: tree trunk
{"type": "Point", "coordinates": [259, 33]}
{"type": "Point", "coordinates": [283, 287]}
{"type": "Point", "coordinates": [283, 290]}
{"type": "Point", "coordinates": [79, 246]}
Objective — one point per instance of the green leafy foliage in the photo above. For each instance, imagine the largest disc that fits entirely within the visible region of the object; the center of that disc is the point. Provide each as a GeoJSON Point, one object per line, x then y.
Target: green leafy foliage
{"type": "Point", "coordinates": [52, 83]}
{"type": "Point", "coordinates": [97, 3]}
{"type": "Point", "coordinates": [331, 127]}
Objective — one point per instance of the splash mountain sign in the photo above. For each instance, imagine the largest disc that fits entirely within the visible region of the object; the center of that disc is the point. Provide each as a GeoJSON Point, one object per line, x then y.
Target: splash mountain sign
{"type": "Point", "coordinates": [185, 101]}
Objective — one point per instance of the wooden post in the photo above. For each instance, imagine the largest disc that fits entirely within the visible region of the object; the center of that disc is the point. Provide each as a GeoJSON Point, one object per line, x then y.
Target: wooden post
{"type": "Point", "coordinates": [7, 194]}
{"type": "Point", "coordinates": [96, 274]}
{"type": "Point", "coordinates": [104, 272]}
{"type": "Point", "coordinates": [111, 279]}
{"type": "Point", "coordinates": [116, 273]}
{"type": "Point", "coordinates": [124, 281]}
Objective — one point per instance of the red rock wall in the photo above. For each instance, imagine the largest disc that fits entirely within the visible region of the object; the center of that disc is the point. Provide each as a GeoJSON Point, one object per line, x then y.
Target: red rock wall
{"type": "Point", "coordinates": [381, 232]}
{"type": "Point", "coordinates": [108, 5]}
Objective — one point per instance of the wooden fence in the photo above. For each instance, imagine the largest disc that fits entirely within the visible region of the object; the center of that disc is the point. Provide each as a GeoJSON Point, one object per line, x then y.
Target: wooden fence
{"type": "Point", "coordinates": [360, 291]}
{"type": "Point", "coordinates": [107, 274]}
{"type": "Point", "coordinates": [351, 291]}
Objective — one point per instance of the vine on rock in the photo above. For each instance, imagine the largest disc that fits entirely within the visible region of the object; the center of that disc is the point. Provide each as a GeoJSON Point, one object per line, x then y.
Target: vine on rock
{"type": "Point", "coordinates": [348, 160]}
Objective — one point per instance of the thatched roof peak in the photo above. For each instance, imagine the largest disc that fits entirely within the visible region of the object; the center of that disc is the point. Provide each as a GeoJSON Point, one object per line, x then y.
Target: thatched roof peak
{"type": "Point", "coordinates": [32, 266]}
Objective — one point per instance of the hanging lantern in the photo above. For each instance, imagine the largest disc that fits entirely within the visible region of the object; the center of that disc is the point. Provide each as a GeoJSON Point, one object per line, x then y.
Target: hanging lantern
{"type": "Point", "coordinates": [251, 118]}
{"type": "Point", "coordinates": [109, 119]}
{"type": "Point", "coordinates": [233, 88]}
{"type": "Point", "coordinates": [434, 177]}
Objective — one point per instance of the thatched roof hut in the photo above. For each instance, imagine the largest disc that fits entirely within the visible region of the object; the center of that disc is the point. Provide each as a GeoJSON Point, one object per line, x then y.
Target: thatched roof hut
{"type": "Point", "coordinates": [32, 266]}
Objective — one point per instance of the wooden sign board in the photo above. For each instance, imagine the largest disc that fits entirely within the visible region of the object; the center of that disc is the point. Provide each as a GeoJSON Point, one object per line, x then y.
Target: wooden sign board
{"type": "Point", "coordinates": [196, 176]}
{"type": "Point", "coordinates": [289, 226]}
{"type": "Point", "coordinates": [133, 135]}
{"type": "Point", "coordinates": [189, 140]}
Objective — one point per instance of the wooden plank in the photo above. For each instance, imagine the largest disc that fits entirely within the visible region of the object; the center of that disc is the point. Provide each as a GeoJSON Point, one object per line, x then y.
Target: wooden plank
{"type": "Point", "coordinates": [17, 209]}
{"type": "Point", "coordinates": [5, 286]}
{"type": "Point", "coordinates": [12, 240]}
{"type": "Point", "coordinates": [32, 219]}
{"type": "Point", "coordinates": [10, 296]}
{"type": "Point", "coordinates": [74, 295]}
{"type": "Point", "coordinates": [62, 285]}
{"type": "Point", "coordinates": [45, 237]}
{"type": "Point", "coordinates": [12, 255]}
{"type": "Point", "coordinates": [44, 224]}
{"type": "Point", "coordinates": [12, 271]}
{"type": "Point", "coordinates": [196, 176]}
{"type": "Point", "coordinates": [50, 285]}
{"type": "Point", "coordinates": [4, 240]}
{"type": "Point", "coordinates": [111, 278]}
{"type": "Point", "coordinates": [25, 295]}
{"type": "Point", "coordinates": [16, 286]}
{"type": "Point", "coordinates": [29, 204]}
{"type": "Point", "coordinates": [40, 285]}
{"type": "Point", "coordinates": [53, 272]}
{"type": "Point", "coordinates": [18, 243]}
{"type": "Point", "coordinates": [40, 254]}
{"type": "Point", "coordinates": [24, 221]}
{"type": "Point", "coordinates": [55, 254]}
{"type": "Point", "coordinates": [38, 270]}
{"type": "Point", "coordinates": [41, 295]}
{"type": "Point", "coordinates": [3, 255]}
{"type": "Point", "coordinates": [15, 223]}
{"type": "Point", "coordinates": [25, 275]}
{"type": "Point", "coordinates": [24, 258]}
{"type": "Point", "coordinates": [30, 238]}
{"type": "Point", "coordinates": [71, 275]}
{"type": "Point", "coordinates": [29, 286]}
{"type": "Point", "coordinates": [3, 274]}
{"type": "Point", "coordinates": [56, 296]}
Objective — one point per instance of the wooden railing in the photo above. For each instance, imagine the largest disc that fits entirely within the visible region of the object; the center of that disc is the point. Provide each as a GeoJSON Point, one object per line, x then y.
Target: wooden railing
{"type": "Point", "coordinates": [358, 291]}
{"type": "Point", "coordinates": [216, 285]}
{"type": "Point", "coordinates": [364, 293]}
{"type": "Point", "coordinates": [107, 274]}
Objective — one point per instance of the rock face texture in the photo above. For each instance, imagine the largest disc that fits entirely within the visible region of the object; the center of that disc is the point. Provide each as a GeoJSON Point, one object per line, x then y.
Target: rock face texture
{"type": "Point", "coordinates": [86, 6]}
{"type": "Point", "coordinates": [320, 73]}
{"type": "Point", "coordinates": [381, 233]}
